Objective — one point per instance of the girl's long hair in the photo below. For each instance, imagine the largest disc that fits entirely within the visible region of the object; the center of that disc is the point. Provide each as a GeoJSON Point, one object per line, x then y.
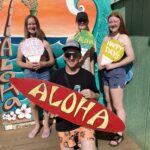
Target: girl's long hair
{"type": "Point", "coordinates": [39, 34]}
{"type": "Point", "coordinates": [122, 28]}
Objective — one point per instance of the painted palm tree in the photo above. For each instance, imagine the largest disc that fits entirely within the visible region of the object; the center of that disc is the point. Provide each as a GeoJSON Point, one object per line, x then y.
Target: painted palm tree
{"type": "Point", "coordinates": [6, 40]}
{"type": "Point", "coordinates": [1, 4]}
{"type": "Point", "coordinates": [32, 5]}
{"type": "Point", "coordinates": [7, 31]}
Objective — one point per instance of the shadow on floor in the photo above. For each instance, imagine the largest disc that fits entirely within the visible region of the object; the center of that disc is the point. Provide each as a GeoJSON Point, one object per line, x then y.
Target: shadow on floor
{"type": "Point", "coordinates": [103, 135]}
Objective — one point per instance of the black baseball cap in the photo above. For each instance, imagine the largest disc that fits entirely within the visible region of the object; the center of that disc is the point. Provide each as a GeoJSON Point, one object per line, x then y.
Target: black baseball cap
{"type": "Point", "coordinates": [82, 17]}
{"type": "Point", "coordinates": [72, 44]}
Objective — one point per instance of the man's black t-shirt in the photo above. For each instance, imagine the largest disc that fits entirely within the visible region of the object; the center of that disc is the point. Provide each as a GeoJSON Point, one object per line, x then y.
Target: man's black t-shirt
{"type": "Point", "coordinates": [79, 81]}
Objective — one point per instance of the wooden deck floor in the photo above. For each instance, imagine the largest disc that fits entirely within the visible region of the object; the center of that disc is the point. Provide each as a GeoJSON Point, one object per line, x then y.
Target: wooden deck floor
{"type": "Point", "coordinates": [17, 140]}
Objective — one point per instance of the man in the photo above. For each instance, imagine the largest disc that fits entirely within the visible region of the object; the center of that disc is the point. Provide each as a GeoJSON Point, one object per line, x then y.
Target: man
{"type": "Point", "coordinates": [81, 80]}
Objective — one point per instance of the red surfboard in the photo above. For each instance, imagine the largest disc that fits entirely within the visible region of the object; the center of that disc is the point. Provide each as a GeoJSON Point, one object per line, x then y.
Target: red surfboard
{"type": "Point", "coordinates": [69, 104]}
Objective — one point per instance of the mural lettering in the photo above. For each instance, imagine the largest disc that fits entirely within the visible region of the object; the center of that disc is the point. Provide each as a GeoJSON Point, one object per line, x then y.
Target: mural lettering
{"type": "Point", "coordinates": [3, 77]}
{"type": "Point", "coordinates": [10, 102]}
{"type": "Point", "coordinates": [4, 66]}
{"type": "Point", "coordinates": [5, 46]}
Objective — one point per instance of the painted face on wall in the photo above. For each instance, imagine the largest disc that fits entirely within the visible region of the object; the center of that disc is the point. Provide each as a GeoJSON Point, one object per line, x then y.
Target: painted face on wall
{"type": "Point", "coordinates": [31, 26]}
{"type": "Point", "coordinates": [114, 24]}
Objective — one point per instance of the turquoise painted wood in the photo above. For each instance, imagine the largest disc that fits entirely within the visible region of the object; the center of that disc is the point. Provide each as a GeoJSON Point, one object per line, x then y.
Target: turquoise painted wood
{"type": "Point", "coordinates": [99, 32]}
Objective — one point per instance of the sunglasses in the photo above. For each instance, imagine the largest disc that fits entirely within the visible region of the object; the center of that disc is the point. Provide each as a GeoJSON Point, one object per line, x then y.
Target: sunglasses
{"type": "Point", "coordinates": [74, 55]}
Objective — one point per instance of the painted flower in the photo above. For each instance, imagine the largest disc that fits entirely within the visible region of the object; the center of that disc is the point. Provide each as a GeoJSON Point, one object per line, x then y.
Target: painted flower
{"type": "Point", "coordinates": [11, 116]}
{"type": "Point", "coordinates": [24, 112]}
{"type": "Point", "coordinates": [4, 116]}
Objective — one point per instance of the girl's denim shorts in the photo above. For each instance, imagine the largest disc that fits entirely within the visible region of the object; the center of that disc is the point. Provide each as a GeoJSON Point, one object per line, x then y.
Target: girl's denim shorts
{"type": "Point", "coordinates": [43, 74]}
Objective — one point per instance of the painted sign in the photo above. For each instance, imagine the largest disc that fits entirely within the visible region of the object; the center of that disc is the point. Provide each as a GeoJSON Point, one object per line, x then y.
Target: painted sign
{"type": "Point", "coordinates": [32, 48]}
{"type": "Point", "coordinates": [112, 51]}
{"type": "Point", "coordinates": [69, 104]}
{"type": "Point", "coordinates": [86, 40]}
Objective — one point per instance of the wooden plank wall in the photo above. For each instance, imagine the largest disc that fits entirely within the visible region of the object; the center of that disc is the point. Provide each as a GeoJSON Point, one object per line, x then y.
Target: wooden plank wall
{"type": "Point", "coordinates": [137, 93]}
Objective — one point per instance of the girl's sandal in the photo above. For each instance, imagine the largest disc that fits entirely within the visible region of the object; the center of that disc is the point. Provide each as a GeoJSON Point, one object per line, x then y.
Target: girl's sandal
{"type": "Point", "coordinates": [116, 140]}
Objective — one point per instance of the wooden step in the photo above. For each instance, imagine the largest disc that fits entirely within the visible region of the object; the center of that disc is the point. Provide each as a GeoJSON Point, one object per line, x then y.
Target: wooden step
{"type": "Point", "coordinates": [17, 140]}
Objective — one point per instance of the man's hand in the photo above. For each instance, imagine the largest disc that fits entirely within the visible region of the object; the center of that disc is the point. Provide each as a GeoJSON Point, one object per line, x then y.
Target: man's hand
{"type": "Point", "coordinates": [87, 93]}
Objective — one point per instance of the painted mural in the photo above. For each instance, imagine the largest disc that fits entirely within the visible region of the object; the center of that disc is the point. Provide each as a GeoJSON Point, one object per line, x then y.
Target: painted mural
{"type": "Point", "coordinates": [57, 19]}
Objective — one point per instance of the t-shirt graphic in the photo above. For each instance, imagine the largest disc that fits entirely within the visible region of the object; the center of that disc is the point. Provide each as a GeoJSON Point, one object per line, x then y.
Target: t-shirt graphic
{"type": "Point", "coordinates": [77, 88]}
